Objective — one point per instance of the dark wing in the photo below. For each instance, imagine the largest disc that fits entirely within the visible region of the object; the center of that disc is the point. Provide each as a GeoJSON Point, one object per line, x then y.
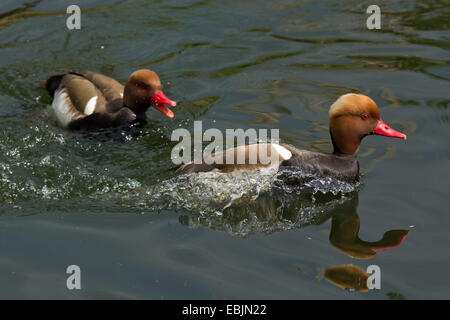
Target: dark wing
{"type": "Point", "coordinates": [84, 95]}
{"type": "Point", "coordinates": [109, 87]}
{"type": "Point", "coordinates": [82, 86]}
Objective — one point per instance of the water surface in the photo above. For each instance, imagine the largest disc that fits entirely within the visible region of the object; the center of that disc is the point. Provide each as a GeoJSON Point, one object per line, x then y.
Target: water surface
{"type": "Point", "coordinates": [110, 205]}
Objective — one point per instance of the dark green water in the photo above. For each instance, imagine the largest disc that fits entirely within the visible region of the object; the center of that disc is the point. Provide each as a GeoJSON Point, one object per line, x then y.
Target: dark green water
{"type": "Point", "coordinates": [73, 198]}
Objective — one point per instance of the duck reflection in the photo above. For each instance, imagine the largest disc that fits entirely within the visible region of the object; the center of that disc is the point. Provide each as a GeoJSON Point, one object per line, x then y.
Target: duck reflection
{"type": "Point", "coordinates": [273, 213]}
{"type": "Point", "coordinates": [348, 277]}
{"type": "Point", "coordinates": [344, 234]}
{"type": "Point", "coordinates": [344, 237]}
{"type": "Point", "coordinates": [277, 213]}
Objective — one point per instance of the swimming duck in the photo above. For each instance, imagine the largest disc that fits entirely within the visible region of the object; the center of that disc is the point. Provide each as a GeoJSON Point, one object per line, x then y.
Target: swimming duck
{"type": "Point", "coordinates": [89, 100]}
{"type": "Point", "coordinates": [351, 118]}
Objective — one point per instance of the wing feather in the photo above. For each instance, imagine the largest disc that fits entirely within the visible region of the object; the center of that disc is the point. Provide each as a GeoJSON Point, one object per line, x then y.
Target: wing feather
{"type": "Point", "coordinates": [247, 158]}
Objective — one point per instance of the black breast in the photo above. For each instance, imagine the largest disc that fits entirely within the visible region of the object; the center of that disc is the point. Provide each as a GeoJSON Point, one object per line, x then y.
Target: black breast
{"type": "Point", "coordinates": [341, 167]}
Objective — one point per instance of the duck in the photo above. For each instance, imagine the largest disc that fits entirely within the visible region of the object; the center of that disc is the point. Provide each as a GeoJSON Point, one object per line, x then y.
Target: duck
{"type": "Point", "coordinates": [351, 118]}
{"type": "Point", "coordinates": [84, 99]}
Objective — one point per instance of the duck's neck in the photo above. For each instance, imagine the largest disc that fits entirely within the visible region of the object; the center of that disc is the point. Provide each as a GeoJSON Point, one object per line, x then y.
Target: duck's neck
{"type": "Point", "coordinates": [350, 147]}
{"type": "Point", "coordinates": [140, 115]}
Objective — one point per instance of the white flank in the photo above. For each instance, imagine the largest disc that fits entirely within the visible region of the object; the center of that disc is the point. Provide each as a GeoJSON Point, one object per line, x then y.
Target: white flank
{"type": "Point", "coordinates": [90, 106]}
{"type": "Point", "coordinates": [62, 110]}
{"type": "Point", "coordinates": [282, 151]}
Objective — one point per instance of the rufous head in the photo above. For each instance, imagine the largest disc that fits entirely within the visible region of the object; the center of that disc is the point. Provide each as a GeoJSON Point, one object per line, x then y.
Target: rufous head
{"type": "Point", "coordinates": [352, 117]}
{"type": "Point", "coordinates": [144, 90]}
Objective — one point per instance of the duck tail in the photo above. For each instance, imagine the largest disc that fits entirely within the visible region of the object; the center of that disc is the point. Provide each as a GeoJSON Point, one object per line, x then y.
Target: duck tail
{"type": "Point", "coordinates": [51, 83]}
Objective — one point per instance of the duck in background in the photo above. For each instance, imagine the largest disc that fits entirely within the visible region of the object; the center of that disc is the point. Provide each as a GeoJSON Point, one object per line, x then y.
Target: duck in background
{"type": "Point", "coordinates": [89, 100]}
{"type": "Point", "coordinates": [351, 118]}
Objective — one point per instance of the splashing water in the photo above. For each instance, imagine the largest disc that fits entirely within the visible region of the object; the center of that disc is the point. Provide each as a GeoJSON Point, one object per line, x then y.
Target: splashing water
{"type": "Point", "coordinates": [212, 192]}
{"type": "Point", "coordinates": [293, 180]}
{"type": "Point", "coordinates": [205, 192]}
{"type": "Point", "coordinates": [244, 203]}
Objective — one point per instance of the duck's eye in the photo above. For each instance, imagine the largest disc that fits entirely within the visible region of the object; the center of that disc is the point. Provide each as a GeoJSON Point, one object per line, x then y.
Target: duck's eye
{"type": "Point", "coordinates": [364, 116]}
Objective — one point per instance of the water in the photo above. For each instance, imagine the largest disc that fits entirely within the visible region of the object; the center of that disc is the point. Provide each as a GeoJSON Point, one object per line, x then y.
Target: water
{"type": "Point", "coordinates": [111, 206]}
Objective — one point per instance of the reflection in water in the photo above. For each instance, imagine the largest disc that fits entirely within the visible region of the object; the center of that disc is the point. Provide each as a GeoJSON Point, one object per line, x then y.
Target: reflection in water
{"type": "Point", "coordinates": [344, 236]}
{"type": "Point", "coordinates": [278, 211]}
{"type": "Point", "coordinates": [348, 277]}
{"type": "Point", "coordinates": [268, 214]}
{"type": "Point", "coordinates": [344, 233]}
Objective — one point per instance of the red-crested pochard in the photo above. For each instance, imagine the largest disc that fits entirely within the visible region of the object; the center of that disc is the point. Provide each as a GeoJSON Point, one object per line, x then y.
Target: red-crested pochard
{"type": "Point", "coordinates": [351, 118]}
{"type": "Point", "coordinates": [89, 100]}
